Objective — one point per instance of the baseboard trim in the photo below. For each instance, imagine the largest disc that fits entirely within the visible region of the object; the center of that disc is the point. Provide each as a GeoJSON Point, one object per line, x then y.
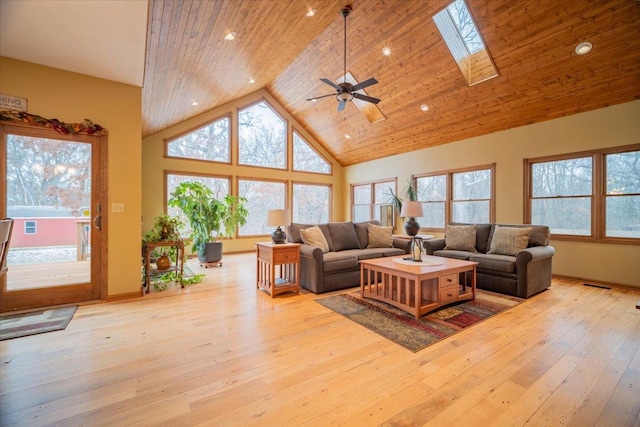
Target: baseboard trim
{"type": "Point", "coordinates": [599, 282]}
{"type": "Point", "coordinates": [120, 297]}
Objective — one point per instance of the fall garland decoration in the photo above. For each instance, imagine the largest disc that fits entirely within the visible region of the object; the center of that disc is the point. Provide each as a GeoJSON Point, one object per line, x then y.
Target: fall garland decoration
{"type": "Point", "coordinates": [87, 127]}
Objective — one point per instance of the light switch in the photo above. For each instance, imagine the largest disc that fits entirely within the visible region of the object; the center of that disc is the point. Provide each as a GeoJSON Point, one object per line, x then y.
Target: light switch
{"type": "Point", "coordinates": [117, 207]}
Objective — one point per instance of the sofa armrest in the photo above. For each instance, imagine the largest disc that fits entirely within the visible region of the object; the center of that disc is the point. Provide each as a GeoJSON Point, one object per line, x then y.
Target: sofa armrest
{"type": "Point", "coordinates": [312, 268]}
{"type": "Point", "coordinates": [534, 254]}
{"type": "Point", "coordinates": [433, 245]}
{"type": "Point", "coordinates": [401, 243]}
{"type": "Point", "coordinates": [533, 266]}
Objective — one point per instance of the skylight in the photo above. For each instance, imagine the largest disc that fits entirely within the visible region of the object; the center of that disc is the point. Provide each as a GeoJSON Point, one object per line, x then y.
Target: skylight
{"type": "Point", "coordinates": [467, 29]}
{"type": "Point", "coordinates": [460, 33]}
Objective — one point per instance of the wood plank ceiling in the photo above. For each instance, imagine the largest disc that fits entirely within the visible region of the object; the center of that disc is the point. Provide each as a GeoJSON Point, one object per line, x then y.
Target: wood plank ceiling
{"type": "Point", "coordinates": [532, 43]}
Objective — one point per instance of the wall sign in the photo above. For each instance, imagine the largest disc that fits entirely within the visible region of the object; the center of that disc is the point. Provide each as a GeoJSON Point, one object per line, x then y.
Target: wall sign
{"type": "Point", "coordinates": [8, 102]}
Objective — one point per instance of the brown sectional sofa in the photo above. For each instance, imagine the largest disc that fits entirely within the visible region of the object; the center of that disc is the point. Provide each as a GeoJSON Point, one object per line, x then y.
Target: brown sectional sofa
{"type": "Point", "coordinates": [522, 275]}
{"type": "Point", "coordinates": [339, 268]}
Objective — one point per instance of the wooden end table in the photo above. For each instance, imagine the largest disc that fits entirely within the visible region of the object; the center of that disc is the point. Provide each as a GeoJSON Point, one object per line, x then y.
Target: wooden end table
{"type": "Point", "coordinates": [278, 267]}
{"type": "Point", "coordinates": [418, 288]}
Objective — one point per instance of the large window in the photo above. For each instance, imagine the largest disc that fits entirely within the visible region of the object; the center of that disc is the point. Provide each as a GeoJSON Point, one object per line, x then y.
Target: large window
{"type": "Point", "coordinates": [306, 159]}
{"type": "Point", "coordinates": [210, 142]}
{"type": "Point", "coordinates": [372, 200]}
{"type": "Point", "coordinates": [586, 196]}
{"type": "Point", "coordinates": [311, 203]}
{"type": "Point", "coordinates": [219, 185]}
{"type": "Point", "coordinates": [261, 196]}
{"type": "Point", "coordinates": [262, 137]}
{"type": "Point", "coordinates": [457, 196]}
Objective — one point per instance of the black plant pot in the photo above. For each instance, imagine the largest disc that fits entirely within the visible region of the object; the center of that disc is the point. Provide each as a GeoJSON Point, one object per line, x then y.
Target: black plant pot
{"type": "Point", "coordinates": [212, 253]}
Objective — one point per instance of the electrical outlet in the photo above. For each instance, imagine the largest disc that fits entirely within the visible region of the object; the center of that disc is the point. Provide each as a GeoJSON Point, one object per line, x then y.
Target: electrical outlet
{"type": "Point", "coordinates": [117, 207]}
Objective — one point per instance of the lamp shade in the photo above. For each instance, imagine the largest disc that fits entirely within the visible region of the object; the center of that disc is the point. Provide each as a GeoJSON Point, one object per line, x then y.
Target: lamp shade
{"type": "Point", "coordinates": [278, 217]}
{"type": "Point", "coordinates": [411, 210]}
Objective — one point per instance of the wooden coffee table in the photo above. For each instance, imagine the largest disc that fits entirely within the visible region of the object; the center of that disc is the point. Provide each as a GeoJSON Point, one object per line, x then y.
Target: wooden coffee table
{"type": "Point", "coordinates": [418, 288]}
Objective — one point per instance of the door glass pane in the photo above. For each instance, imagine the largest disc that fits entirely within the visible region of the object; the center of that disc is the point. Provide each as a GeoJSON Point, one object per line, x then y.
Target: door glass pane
{"type": "Point", "coordinates": [49, 197]}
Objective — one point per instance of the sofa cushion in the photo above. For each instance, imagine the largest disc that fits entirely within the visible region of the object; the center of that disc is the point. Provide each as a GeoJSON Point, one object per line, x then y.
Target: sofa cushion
{"type": "Point", "coordinates": [502, 263]}
{"type": "Point", "coordinates": [539, 236]}
{"type": "Point", "coordinates": [313, 236]}
{"type": "Point", "coordinates": [463, 255]}
{"type": "Point", "coordinates": [362, 230]}
{"type": "Point", "coordinates": [343, 235]}
{"type": "Point", "coordinates": [460, 238]}
{"type": "Point", "coordinates": [509, 240]}
{"type": "Point", "coordinates": [293, 232]}
{"type": "Point", "coordinates": [336, 261]}
{"type": "Point", "coordinates": [380, 237]}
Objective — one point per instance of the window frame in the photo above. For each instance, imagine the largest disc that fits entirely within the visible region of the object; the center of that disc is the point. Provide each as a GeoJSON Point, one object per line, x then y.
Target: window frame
{"type": "Point", "coordinates": [27, 227]}
{"type": "Point", "coordinates": [287, 146]}
{"type": "Point", "coordinates": [227, 116]}
{"type": "Point", "coordinates": [372, 201]}
{"type": "Point", "coordinates": [448, 202]}
{"type": "Point", "coordinates": [598, 193]}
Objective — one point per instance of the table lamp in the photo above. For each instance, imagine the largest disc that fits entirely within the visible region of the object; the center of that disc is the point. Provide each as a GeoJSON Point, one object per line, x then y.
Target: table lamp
{"type": "Point", "coordinates": [411, 210]}
{"type": "Point", "coordinates": [278, 217]}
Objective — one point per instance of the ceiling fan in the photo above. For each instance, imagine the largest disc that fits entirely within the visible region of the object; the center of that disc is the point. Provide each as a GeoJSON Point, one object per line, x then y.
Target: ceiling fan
{"type": "Point", "coordinates": [346, 91]}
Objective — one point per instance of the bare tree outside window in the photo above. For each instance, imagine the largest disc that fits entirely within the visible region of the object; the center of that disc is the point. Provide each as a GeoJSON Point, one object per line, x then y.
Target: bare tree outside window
{"type": "Point", "coordinates": [261, 196]}
{"type": "Point", "coordinates": [48, 172]}
{"type": "Point", "coordinates": [262, 137]}
{"type": "Point", "coordinates": [432, 192]}
{"type": "Point", "coordinates": [210, 142]}
{"type": "Point", "coordinates": [311, 203]}
{"type": "Point", "coordinates": [471, 196]}
{"type": "Point", "coordinates": [306, 159]}
{"type": "Point", "coordinates": [623, 194]}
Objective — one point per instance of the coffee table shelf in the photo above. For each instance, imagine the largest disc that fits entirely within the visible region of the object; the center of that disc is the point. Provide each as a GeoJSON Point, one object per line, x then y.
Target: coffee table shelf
{"type": "Point", "coordinates": [418, 289]}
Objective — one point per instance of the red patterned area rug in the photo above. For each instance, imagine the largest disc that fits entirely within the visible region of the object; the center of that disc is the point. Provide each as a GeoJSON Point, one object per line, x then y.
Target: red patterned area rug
{"type": "Point", "coordinates": [35, 322]}
{"type": "Point", "coordinates": [403, 329]}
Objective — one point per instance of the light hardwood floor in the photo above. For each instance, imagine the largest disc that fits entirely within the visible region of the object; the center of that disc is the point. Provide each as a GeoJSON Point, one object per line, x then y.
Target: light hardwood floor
{"type": "Point", "coordinates": [222, 353]}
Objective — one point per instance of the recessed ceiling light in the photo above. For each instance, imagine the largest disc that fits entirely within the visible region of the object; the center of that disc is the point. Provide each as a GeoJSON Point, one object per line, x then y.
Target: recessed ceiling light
{"type": "Point", "coordinates": [311, 12]}
{"type": "Point", "coordinates": [424, 107]}
{"type": "Point", "coordinates": [346, 135]}
{"type": "Point", "coordinates": [584, 48]}
{"type": "Point", "coordinates": [251, 80]}
{"type": "Point", "coordinates": [230, 36]}
{"type": "Point", "coordinates": [194, 103]}
{"type": "Point", "coordinates": [386, 51]}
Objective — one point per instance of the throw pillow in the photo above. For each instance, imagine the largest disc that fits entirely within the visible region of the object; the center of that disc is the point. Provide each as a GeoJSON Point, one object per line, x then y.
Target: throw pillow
{"type": "Point", "coordinates": [380, 236]}
{"type": "Point", "coordinates": [313, 236]}
{"type": "Point", "coordinates": [343, 235]}
{"type": "Point", "coordinates": [460, 238]}
{"type": "Point", "coordinates": [509, 240]}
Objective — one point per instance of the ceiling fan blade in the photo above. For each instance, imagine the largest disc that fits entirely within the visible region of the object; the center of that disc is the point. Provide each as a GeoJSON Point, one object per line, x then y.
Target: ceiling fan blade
{"type": "Point", "coordinates": [319, 97]}
{"type": "Point", "coordinates": [366, 98]}
{"type": "Point", "coordinates": [341, 105]}
{"type": "Point", "coordinates": [330, 83]}
{"type": "Point", "coordinates": [364, 84]}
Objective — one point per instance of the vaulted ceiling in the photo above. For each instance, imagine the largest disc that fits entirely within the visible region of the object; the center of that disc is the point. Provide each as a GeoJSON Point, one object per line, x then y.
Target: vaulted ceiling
{"type": "Point", "coordinates": [532, 43]}
{"type": "Point", "coordinates": [276, 45]}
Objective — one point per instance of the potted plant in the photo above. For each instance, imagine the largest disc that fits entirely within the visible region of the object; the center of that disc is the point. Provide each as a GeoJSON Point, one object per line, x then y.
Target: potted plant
{"type": "Point", "coordinates": [208, 217]}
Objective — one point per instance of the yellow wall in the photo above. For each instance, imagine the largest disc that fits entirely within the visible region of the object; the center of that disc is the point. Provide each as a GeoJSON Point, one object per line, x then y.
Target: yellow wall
{"type": "Point", "coordinates": [608, 127]}
{"type": "Point", "coordinates": [72, 97]}
{"type": "Point", "coordinates": [154, 164]}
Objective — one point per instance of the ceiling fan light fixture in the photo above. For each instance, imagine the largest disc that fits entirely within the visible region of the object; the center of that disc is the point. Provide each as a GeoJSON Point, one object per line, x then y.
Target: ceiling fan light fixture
{"type": "Point", "coordinates": [584, 48]}
{"type": "Point", "coordinates": [344, 96]}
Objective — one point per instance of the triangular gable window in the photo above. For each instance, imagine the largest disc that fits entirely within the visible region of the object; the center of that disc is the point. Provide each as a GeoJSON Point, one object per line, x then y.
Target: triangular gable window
{"type": "Point", "coordinates": [306, 158]}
